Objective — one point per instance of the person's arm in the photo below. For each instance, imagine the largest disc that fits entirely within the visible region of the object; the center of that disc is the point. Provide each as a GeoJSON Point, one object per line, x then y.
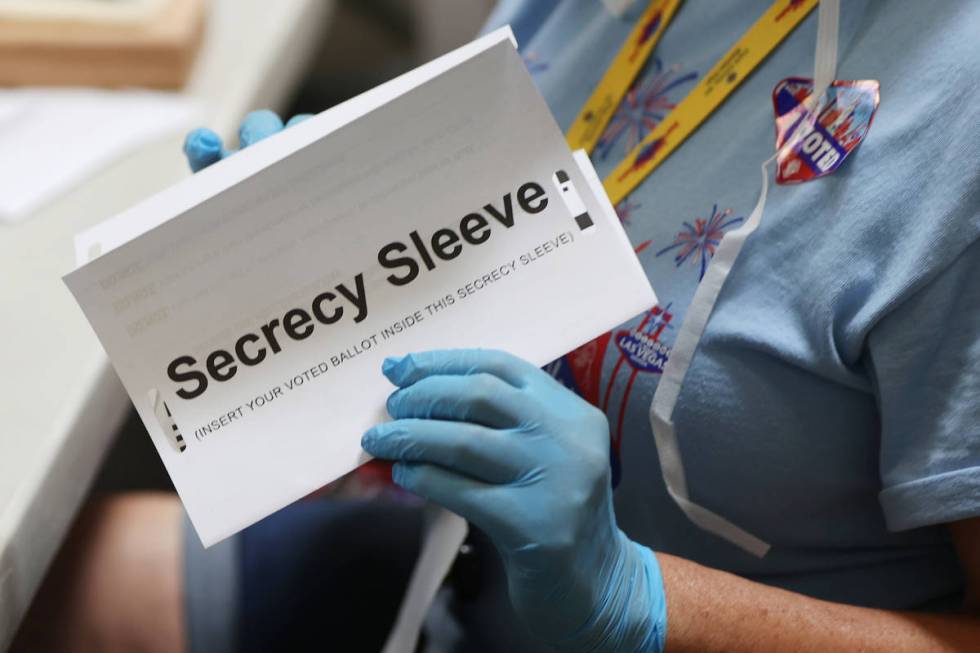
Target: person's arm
{"type": "Point", "coordinates": [709, 611]}
{"type": "Point", "coordinates": [500, 442]}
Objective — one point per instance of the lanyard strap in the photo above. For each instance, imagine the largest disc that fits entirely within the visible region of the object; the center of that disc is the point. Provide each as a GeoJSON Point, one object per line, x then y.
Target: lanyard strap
{"type": "Point", "coordinates": [696, 319]}
{"type": "Point", "coordinates": [599, 108]}
{"type": "Point", "coordinates": [737, 64]}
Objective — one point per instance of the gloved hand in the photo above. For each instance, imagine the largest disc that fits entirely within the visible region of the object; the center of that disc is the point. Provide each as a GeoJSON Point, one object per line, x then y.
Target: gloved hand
{"type": "Point", "coordinates": [499, 442]}
{"type": "Point", "coordinates": [204, 147]}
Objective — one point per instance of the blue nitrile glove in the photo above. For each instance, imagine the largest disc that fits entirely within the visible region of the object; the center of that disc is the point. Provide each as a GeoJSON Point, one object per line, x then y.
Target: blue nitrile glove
{"type": "Point", "coordinates": [204, 147]}
{"type": "Point", "coordinates": [499, 442]}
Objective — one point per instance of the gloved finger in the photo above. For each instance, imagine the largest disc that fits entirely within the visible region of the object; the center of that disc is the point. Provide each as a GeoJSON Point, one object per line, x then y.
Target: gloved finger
{"type": "Point", "coordinates": [480, 398]}
{"type": "Point", "coordinates": [298, 118]}
{"type": "Point", "coordinates": [258, 125]}
{"type": "Point", "coordinates": [202, 147]}
{"type": "Point", "coordinates": [485, 505]}
{"type": "Point", "coordinates": [412, 367]}
{"type": "Point", "coordinates": [469, 449]}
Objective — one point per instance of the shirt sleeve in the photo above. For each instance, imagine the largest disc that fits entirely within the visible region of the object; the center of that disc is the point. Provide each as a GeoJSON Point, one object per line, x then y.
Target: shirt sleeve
{"type": "Point", "coordinates": [925, 359]}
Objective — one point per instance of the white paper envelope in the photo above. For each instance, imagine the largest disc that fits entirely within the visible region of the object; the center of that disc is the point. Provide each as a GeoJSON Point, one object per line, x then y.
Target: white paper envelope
{"type": "Point", "coordinates": [249, 320]}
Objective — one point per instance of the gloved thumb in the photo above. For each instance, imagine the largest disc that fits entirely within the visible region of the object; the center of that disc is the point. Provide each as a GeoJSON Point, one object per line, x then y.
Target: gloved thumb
{"type": "Point", "coordinates": [202, 147]}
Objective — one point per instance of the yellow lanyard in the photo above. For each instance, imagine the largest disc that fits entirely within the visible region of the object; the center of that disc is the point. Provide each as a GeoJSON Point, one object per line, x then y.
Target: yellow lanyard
{"type": "Point", "coordinates": [599, 108]}
{"type": "Point", "coordinates": [737, 64]}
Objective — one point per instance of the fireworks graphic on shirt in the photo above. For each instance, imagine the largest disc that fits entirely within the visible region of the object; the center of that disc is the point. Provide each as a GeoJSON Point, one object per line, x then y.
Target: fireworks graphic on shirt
{"type": "Point", "coordinates": [643, 108]}
{"type": "Point", "coordinates": [647, 153]}
{"type": "Point", "coordinates": [534, 63]}
{"type": "Point", "coordinates": [698, 242]}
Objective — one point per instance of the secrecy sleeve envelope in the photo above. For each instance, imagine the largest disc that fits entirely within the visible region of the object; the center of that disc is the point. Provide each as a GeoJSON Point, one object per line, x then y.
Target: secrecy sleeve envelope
{"type": "Point", "coordinates": [247, 310]}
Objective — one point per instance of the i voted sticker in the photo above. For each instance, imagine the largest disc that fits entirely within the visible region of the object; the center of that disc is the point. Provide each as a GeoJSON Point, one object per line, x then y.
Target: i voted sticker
{"type": "Point", "coordinates": [813, 141]}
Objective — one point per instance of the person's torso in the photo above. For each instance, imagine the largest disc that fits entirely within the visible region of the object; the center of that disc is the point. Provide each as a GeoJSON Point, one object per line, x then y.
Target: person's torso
{"type": "Point", "coordinates": [777, 418]}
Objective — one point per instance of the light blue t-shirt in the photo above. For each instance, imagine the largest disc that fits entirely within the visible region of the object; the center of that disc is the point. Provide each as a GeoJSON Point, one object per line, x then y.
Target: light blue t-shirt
{"type": "Point", "coordinates": [833, 405]}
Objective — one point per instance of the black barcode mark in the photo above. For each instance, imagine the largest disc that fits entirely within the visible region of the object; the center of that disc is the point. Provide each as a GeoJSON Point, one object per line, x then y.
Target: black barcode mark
{"type": "Point", "coordinates": [180, 439]}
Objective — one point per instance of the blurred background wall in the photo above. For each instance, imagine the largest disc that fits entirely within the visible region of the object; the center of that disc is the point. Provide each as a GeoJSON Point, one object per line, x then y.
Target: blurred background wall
{"type": "Point", "coordinates": [370, 41]}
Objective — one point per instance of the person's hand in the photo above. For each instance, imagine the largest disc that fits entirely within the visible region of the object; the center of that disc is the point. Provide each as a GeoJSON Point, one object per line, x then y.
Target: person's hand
{"type": "Point", "coordinates": [499, 442]}
{"type": "Point", "coordinates": [204, 147]}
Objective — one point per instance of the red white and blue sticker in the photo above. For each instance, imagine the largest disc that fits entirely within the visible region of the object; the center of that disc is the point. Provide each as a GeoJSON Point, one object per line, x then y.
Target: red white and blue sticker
{"type": "Point", "coordinates": [641, 347]}
{"type": "Point", "coordinates": [819, 140]}
{"type": "Point", "coordinates": [640, 350]}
